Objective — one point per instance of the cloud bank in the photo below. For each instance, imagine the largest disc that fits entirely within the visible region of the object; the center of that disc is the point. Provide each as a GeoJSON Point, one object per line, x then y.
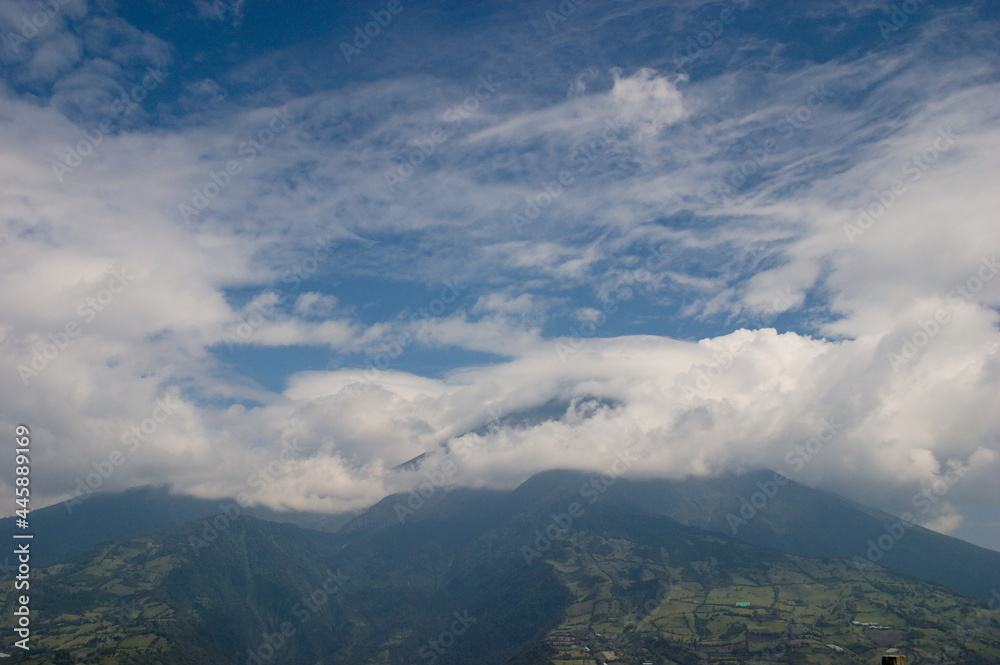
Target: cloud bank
{"type": "Point", "coordinates": [705, 257]}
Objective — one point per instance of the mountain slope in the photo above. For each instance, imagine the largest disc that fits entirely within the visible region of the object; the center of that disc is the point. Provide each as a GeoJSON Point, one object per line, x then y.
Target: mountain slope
{"type": "Point", "coordinates": [806, 522]}
{"type": "Point", "coordinates": [70, 527]}
{"type": "Point", "coordinates": [536, 575]}
{"type": "Point", "coordinates": [648, 592]}
{"type": "Point", "coordinates": [794, 519]}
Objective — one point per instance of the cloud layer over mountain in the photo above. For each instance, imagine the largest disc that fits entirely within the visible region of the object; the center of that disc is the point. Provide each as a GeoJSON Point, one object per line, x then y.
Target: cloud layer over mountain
{"type": "Point", "coordinates": [702, 234]}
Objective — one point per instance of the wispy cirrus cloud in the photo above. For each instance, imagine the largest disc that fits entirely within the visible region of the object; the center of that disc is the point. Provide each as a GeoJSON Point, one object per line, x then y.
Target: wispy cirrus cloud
{"type": "Point", "coordinates": [663, 206]}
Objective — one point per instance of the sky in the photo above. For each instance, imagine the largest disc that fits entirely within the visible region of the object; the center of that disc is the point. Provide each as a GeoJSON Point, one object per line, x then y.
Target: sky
{"type": "Point", "coordinates": [281, 249]}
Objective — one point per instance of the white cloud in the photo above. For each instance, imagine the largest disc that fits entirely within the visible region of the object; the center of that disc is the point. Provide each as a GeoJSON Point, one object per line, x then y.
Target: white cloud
{"type": "Point", "coordinates": [735, 402]}
{"type": "Point", "coordinates": [647, 100]}
{"type": "Point", "coordinates": [676, 192]}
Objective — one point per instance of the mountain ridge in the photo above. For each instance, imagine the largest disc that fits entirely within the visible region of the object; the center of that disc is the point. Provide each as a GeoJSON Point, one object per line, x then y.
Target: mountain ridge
{"type": "Point", "coordinates": [795, 519]}
{"type": "Point", "coordinates": [452, 584]}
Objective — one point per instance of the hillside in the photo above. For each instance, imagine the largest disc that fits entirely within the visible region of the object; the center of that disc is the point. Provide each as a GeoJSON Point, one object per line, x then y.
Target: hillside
{"type": "Point", "coordinates": [536, 575]}
{"type": "Point", "coordinates": [65, 529]}
{"type": "Point", "coordinates": [799, 520]}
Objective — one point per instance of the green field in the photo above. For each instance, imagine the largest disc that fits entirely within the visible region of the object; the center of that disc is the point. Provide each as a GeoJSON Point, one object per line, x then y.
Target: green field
{"type": "Point", "coordinates": [627, 601]}
{"type": "Point", "coordinates": [610, 590]}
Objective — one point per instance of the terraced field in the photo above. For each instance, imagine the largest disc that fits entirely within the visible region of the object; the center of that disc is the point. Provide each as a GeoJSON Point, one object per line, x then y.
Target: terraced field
{"type": "Point", "coordinates": [801, 609]}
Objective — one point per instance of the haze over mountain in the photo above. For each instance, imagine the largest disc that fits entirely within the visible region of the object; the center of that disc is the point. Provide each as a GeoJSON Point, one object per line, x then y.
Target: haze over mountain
{"type": "Point", "coordinates": [68, 528]}
{"type": "Point", "coordinates": [750, 507]}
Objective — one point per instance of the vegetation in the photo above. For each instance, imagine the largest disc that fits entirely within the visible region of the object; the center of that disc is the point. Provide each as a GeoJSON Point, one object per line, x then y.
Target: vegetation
{"type": "Point", "coordinates": [452, 584]}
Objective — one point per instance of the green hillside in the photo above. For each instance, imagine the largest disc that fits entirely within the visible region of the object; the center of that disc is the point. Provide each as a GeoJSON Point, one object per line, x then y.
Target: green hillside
{"type": "Point", "coordinates": [674, 602]}
{"type": "Point", "coordinates": [800, 520]}
{"type": "Point", "coordinates": [478, 576]}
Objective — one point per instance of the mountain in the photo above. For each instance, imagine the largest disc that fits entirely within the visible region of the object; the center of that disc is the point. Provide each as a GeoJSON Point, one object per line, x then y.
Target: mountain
{"type": "Point", "coordinates": [73, 526]}
{"type": "Point", "coordinates": [764, 508]}
{"type": "Point", "coordinates": [546, 573]}
{"type": "Point", "coordinates": [750, 507]}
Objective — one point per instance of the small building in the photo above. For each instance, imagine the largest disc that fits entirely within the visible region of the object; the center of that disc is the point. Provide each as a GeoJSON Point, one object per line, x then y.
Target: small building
{"type": "Point", "coordinates": [742, 604]}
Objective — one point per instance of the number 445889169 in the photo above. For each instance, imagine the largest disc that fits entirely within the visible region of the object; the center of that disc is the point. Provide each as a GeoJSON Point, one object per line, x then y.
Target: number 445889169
{"type": "Point", "coordinates": [22, 469]}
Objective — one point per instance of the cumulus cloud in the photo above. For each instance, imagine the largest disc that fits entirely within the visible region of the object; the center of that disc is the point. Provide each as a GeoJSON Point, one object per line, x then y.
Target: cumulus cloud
{"type": "Point", "coordinates": [647, 100]}
{"type": "Point", "coordinates": [700, 269]}
{"type": "Point", "coordinates": [746, 400]}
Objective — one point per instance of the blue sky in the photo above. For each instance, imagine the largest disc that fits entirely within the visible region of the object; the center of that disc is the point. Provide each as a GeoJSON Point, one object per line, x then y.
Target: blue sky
{"type": "Point", "coordinates": [701, 228]}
